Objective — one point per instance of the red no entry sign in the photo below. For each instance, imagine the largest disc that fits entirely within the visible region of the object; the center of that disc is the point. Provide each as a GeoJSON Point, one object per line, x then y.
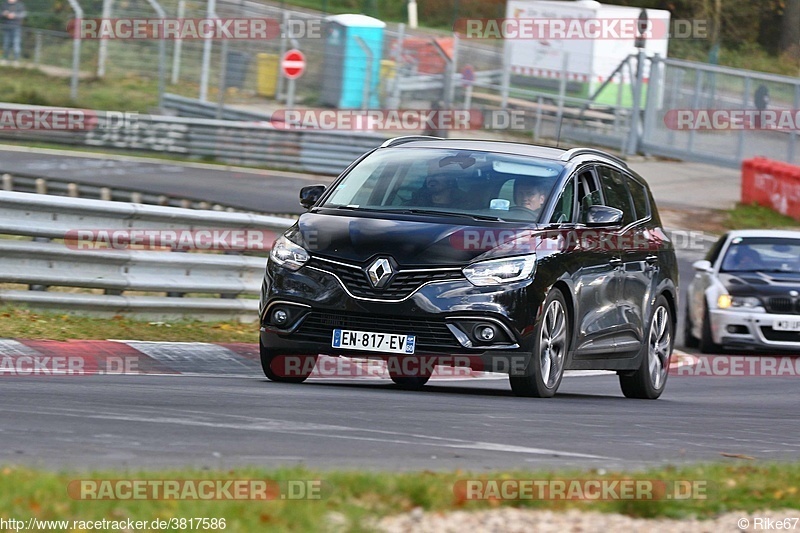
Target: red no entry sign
{"type": "Point", "coordinates": [293, 64]}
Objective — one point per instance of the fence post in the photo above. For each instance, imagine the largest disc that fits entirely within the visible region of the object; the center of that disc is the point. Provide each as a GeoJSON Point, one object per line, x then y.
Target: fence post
{"type": "Point", "coordinates": [740, 141]}
{"type": "Point", "coordinates": [102, 52]}
{"type": "Point", "coordinates": [162, 52]}
{"type": "Point", "coordinates": [223, 82]}
{"type": "Point", "coordinates": [505, 79]}
{"type": "Point", "coordinates": [394, 102]}
{"type": "Point", "coordinates": [652, 103]}
{"type": "Point", "coordinates": [176, 50]}
{"type": "Point", "coordinates": [204, 72]}
{"type": "Point", "coordinates": [37, 48]}
{"type": "Point", "coordinates": [76, 51]}
{"type": "Point", "coordinates": [633, 134]}
{"type": "Point", "coordinates": [562, 92]}
{"type": "Point", "coordinates": [282, 51]}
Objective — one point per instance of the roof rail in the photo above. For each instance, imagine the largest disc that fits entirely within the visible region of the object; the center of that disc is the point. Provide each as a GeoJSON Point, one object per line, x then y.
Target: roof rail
{"type": "Point", "coordinates": [575, 152]}
{"type": "Point", "coordinates": [407, 139]}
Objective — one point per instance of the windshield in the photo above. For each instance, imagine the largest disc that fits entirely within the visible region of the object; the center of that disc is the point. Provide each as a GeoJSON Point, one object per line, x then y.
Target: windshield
{"type": "Point", "coordinates": [762, 254]}
{"type": "Point", "coordinates": [461, 182]}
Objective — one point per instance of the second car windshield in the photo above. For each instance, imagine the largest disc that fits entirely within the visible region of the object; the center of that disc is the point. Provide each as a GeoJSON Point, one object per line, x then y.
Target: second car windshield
{"type": "Point", "coordinates": [762, 254]}
{"type": "Point", "coordinates": [508, 187]}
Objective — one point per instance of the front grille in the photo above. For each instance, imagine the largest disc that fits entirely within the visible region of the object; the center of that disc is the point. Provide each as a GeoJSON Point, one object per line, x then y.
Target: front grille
{"type": "Point", "coordinates": [780, 336]}
{"type": "Point", "coordinates": [401, 285]}
{"type": "Point", "coordinates": [783, 305]}
{"type": "Point", "coordinates": [434, 335]}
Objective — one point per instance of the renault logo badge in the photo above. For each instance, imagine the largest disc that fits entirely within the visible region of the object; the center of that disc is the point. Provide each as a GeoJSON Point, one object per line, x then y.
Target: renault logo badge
{"type": "Point", "coordinates": [379, 272]}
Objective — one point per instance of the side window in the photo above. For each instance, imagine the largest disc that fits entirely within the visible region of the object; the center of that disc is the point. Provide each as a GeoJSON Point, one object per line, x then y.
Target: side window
{"type": "Point", "coordinates": [616, 193]}
{"type": "Point", "coordinates": [564, 206]}
{"type": "Point", "coordinates": [588, 193]}
{"type": "Point", "coordinates": [641, 202]}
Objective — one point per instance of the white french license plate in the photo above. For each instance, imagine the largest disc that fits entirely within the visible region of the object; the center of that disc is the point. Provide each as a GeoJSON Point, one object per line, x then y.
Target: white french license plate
{"type": "Point", "coordinates": [373, 342]}
{"type": "Point", "coordinates": [786, 325]}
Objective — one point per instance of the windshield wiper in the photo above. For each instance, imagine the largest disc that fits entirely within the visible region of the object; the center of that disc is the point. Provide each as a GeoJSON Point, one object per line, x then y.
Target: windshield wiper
{"type": "Point", "coordinates": [443, 214]}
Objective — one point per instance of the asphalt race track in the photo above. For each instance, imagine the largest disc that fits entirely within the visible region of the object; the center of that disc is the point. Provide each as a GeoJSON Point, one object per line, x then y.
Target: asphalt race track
{"type": "Point", "coordinates": [158, 421]}
{"type": "Point", "coordinates": [118, 421]}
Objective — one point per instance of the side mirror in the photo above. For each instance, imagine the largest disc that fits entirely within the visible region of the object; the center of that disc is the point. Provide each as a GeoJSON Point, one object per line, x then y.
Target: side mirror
{"type": "Point", "coordinates": [310, 194]}
{"type": "Point", "coordinates": [702, 266]}
{"type": "Point", "coordinates": [602, 215]}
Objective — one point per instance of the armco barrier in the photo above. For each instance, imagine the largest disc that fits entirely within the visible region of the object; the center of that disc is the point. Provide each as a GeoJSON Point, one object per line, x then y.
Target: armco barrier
{"type": "Point", "coordinates": [48, 262]}
{"type": "Point", "coordinates": [238, 142]}
{"type": "Point", "coordinates": [772, 184]}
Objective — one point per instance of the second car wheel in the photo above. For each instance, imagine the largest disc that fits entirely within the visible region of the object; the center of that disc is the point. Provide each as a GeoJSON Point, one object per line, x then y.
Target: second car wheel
{"type": "Point", "coordinates": [545, 369]}
{"type": "Point", "coordinates": [707, 344]}
{"type": "Point", "coordinates": [689, 340]}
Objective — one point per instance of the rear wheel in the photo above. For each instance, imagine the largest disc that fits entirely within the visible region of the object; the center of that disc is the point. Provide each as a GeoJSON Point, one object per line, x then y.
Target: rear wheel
{"type": "Point", "coordinates": [545, 369]}
{"type": "Point", "coordinates": [649, 380]}
{"type": "Point", "coordinates": [286, 368]}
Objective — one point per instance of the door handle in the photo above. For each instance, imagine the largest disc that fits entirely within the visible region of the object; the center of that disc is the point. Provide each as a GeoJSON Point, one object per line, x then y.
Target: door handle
{"type": "Point", "coordinates": [615, 261]}
{"type": "Point", "coordinates": [651, 259]}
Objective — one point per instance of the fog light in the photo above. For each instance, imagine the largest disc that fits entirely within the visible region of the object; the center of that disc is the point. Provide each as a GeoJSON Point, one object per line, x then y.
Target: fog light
{"type": "Point", "coordinates": [279, 317]}
{"type": "Point", "coordinates": [486, 333]}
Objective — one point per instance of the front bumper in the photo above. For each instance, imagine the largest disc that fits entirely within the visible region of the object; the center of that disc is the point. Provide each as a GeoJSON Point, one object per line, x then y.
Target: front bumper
{"type": "Point", "coordinates": [744, 329]}
{"type": "Point", "coordinates": [440, 314]}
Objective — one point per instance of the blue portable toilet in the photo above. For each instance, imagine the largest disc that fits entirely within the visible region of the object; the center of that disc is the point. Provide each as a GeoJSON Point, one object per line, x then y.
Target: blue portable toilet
{"type": "Point", "coordinates": [347, 63]}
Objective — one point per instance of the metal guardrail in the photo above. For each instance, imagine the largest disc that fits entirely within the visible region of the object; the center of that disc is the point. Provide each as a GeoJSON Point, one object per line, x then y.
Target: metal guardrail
{"type": "Point", "coordinates": [42, 262]}
{"type": "Point", "coordinates": [255, 143]}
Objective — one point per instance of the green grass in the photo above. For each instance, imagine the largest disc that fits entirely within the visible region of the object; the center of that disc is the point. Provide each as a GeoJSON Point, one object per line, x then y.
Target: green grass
{"type": "Point", "coordinates": [754, 216]}
{"type": "Point", "coordinates": [129, 93]}
{"type": "Point", "coordinates": [362, 497]}
{"type": "Point", "coordinates": [27, 324]}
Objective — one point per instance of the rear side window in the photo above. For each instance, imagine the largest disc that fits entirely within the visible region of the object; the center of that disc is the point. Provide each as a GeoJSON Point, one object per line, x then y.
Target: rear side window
{"type": "Point", "coordinates": [641, 203]}
{"type": "Point", "coordinates": [616, 193]}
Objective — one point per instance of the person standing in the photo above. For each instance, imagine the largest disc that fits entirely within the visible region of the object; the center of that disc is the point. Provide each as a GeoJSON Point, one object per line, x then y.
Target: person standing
{"type": "Point", "coordinates": [12, 14]}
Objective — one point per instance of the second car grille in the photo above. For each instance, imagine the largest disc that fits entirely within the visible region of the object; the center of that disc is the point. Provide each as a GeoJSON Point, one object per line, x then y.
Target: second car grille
{"type": "Point", "coordinates": [780, 336]}
{"type": "Point", "coordinates": [431, 334]}
{"type": "Point", "coordinates": [784, 305]}
{"type": "Point", "coordinates": [402, 284]}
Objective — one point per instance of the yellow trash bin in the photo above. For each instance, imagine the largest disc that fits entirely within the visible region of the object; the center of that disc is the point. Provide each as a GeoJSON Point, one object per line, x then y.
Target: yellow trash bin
{"type": "Point", "coordinates": [266, 74]}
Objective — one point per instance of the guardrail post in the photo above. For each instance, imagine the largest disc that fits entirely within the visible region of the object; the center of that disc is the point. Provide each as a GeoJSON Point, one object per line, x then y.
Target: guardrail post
{"type": "Point", "coordinates": [41, 186]}
{"type": "Point", "coordinates": [72, 190]}
{"type": "Point", "coordinates": [8, 182]}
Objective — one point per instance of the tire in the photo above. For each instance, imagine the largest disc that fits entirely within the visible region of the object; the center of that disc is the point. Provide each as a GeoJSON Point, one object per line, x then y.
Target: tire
{"type": "Point", "coordinates": [270, 363]}
{"type": "Point", "coordinates": [545, 369]}
{"type": "Point", "coordinates": [707, 344]}
{"type": "Point", "coordinates": [689, 340]}
{"type": "Point", "coordinates": [408, 378]}
{"type": "Point", "coordinates": [649, 380]}
{"type": "Point", "coordinates": [410, 383]}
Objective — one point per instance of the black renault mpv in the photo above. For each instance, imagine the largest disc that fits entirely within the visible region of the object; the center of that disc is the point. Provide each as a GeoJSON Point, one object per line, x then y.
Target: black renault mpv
{"type": "Point", "coordinates": [499, 256]}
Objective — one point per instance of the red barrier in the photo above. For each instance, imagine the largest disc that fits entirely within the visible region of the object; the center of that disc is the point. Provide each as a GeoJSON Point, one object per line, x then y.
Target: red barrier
{"type": "Point", "coordinates": [773, 184]}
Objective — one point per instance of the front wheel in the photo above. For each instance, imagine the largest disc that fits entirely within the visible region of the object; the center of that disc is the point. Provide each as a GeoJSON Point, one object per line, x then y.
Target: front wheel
{"type": "Point", "coordinates": [649, 380]}
{"type": "Point", "coordinates": [286, 368]}
{"type": "Point", "coordinates": [542, 376]}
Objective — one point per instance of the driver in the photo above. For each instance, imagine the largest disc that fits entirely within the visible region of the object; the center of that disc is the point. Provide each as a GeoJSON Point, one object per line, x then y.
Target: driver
{"type": "Point", "coordinates": [531, 195]}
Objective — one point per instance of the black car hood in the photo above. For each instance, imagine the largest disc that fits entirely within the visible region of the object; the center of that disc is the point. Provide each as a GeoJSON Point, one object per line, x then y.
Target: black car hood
{"type": "Point", "coordinates": [761, 283]}
{"type": "Point", "coordinates": [411, 241]}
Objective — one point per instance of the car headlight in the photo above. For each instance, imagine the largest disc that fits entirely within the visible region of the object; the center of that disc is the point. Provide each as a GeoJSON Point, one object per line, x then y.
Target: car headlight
{"type": "Point", "coordinates": [726, 301]}
{"type": "Point", "coordinates": [287, 254]}
{"type": "Point", "coordinates": [499, 271]}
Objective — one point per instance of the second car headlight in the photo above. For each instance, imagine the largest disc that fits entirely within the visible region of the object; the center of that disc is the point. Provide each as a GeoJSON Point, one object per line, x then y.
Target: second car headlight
{"type": "Point", "coordinates": [726, 301]}
{"type": "Point", "coordinates": [499, 271]}
{"type": "Point", "coordinates": [288, 254]}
